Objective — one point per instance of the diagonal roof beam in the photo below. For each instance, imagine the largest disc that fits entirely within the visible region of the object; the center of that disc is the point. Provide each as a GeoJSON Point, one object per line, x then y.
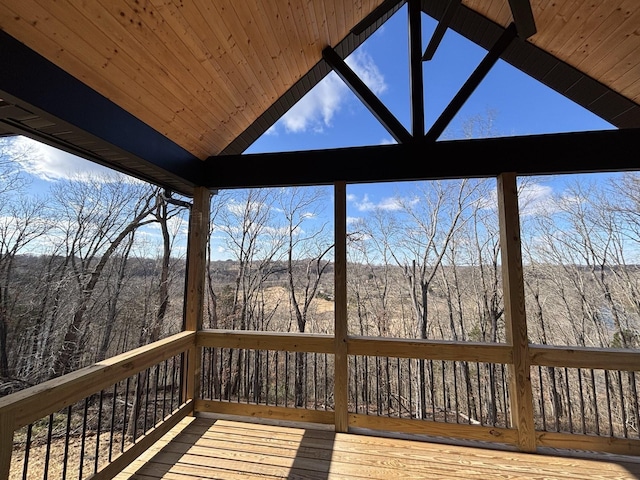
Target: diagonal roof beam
{"type": "Point", "coordinates": [472, 83]}
{"type": "Point", "coordinates": [523, 18]}
{"type": "Point", "coordinates": [366, 96]}
{"type": "Point", "coordinates": [415, 67]}
{"type": "Point", "coordinates": [441, 29]}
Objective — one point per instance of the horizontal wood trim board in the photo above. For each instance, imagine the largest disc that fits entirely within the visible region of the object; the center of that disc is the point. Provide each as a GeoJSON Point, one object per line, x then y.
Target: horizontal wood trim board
{"type": "Point", "coordinates": [36, 402]}
{"type": "Point", "coordinates": [142, 444]}
{"type": "Point", "coordinates": [591, 443]}
{"type": "Point", "coordinates": [430, 349]}
{"type": "Point", "coordinates": [481, 433]}
{"type": "Point", "coordinates": [584, 357]}
{"type": "Point", "coordinates": [284, 342]}
{"type": "Point", "coordinates": [265, 411]}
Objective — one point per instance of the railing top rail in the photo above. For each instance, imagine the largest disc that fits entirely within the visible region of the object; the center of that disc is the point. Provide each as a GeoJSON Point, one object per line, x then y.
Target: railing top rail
{"type": "Point", "coordinates": [36, 402]}
{"type": "Point", "coordinates": [585, 357]}
{"type": "Point", "coordinates": [258, 340]}
{"type": "Point", "coordinates": [430, 349]}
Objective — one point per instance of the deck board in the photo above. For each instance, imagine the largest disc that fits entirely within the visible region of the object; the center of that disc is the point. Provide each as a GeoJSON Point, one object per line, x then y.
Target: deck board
{"type": "Point", "coordinates": [205, 448]}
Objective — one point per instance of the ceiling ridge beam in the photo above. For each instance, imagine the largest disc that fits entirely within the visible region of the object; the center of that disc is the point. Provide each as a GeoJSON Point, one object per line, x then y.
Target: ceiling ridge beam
{"type": "Point", "coordinates": [472, 83]}
{"type": "Point", "coordinates": [366, 96]}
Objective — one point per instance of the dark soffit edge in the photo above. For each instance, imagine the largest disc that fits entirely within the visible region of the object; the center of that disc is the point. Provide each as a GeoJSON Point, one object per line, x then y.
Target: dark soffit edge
{"type": "Point", "coordinates": [563, 153]}
{"type": "Point", "coordinates": [63, 112]}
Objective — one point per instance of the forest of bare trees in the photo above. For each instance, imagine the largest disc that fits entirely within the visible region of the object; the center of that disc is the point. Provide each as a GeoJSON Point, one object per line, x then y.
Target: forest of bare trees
{"type": "Point", "coordinates": [95, 267]}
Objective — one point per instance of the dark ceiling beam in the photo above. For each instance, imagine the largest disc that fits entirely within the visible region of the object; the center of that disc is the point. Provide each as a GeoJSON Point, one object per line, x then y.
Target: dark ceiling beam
{"type": "Point", "coordinates": [472, 83]}
{"type": "Point", "coordinates": [528, 155]}
{"type": "Point", "coordinates": [31, 81]}
{"type": "Point", "coordinates": [440, 30]}
{"type": "Point", "coordinates": [415, 68]}
{"type": "Point", "coordinates": [523, 18]}
{"type": "Point", "coordinates": [366, 96]}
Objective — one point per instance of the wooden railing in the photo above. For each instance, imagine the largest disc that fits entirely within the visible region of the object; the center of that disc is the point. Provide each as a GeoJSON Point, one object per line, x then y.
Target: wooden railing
{"type": "Point", "coordinates": [266, 366]}
{"type": "Point", "coordinates": [446, 391]}
{"type": "Point", "coordinates": [131, 400]}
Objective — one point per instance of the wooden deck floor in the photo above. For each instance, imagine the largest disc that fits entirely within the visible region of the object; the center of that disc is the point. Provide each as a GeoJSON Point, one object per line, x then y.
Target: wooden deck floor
{"type": "Point", "coordinates": [224, 449]}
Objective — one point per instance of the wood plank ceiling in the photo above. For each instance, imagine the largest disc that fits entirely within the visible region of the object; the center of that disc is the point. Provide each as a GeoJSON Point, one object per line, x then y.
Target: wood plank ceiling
{"type": "Point", "coordinates": [211, 76]}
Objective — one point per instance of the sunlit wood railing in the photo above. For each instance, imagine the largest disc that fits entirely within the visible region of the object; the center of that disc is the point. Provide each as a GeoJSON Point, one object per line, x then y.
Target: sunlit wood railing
{"type": "Point", "coordinates": [93, 422]}
{"type": "Point", "coordinates": [254, 374]}
{"type": "Point", "coordinates": [448, 413]}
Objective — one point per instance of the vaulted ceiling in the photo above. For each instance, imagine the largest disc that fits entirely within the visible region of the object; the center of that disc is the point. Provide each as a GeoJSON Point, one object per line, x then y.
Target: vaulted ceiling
{"type": "Point", "coordinates": [174, 91]}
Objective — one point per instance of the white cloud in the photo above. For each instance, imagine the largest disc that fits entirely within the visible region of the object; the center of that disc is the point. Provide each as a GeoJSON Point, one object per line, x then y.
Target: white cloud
{"type": "Point", "coordinates": [50, 164]}
{"type": "Point", "coordinates": [535, 199]}
{"type": "Point", "coordinates": [315, 111]}
{"type": "Point", "coordinates": [386, 204]}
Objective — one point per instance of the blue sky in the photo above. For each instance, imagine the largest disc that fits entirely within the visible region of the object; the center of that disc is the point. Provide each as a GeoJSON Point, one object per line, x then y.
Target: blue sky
{"type": "Point", "coordinates": [331, 116]}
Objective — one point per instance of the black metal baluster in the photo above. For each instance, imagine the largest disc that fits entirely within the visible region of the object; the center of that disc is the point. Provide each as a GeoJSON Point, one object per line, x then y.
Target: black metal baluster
{"type": "Point", "coordinates": [83, 440]}
{"type": "Point", "coordinates": [124, 415]}
{"type": "Point", "coordinates": [146, 399]}
{"type": "Point", "coordinates": [480, 413]}
{"type": "Point", "coordinates": [47, 455]}
{"type": "Point", "coordinates": [569, 406]}
{"type": "Point", "coordinates": [98, 428]}
{"type": "Point", "coordinates": [455, 390]}
{"type": "Point", "coordinates": [67, 434]}
{"type": "Point", "coordinates": [582, 409]}
{"type": "Point", "coordinates": [164, 389]}
{"type": "Point", "coordinates": [444, 392]}
{"type": "Point", "coordinates": [542, 409]}
{"type": "Point", "coordinates": [113, 420]}
{"type": "Point", "coordinates": [27, 449]}
{"type": "Point", "coordinates": [595, 402]}
{"type": "Point", "coordinates": [609, 416]}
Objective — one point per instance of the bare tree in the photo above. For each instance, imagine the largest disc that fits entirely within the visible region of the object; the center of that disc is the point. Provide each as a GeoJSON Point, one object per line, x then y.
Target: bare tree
{"type": "Point", "coordinates": [21, 224]}
{"type": "Point", "coordinates": [307, 251]}
{"type": "Point", "coordinates": [99, 215]}
{"type": "Point", "coordinates": [432, 219]}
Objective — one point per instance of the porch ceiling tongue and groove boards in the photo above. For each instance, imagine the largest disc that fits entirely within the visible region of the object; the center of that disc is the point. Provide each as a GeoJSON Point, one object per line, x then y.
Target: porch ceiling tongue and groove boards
{"type": "Point", "coordinates": [199, 72]}
{"type": "Point", "coordinates": [153, 88]}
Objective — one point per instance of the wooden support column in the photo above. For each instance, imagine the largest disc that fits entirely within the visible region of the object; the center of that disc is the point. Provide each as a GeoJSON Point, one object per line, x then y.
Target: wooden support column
{"type": "Point", "coordinates": [195, 286]}
{"type": "Point", "coordinates": [341, 366]}
{"type": "Point", "coordinates": [6, 444]}
{"type": "Point", "coordinates": [515, 317]}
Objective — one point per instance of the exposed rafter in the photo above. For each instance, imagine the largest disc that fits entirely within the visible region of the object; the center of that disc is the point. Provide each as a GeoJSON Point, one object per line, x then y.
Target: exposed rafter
{"type": "Point", "coordinates": [376, 15]}
{"type": "Point", "coordinates": [441, 29]}
{"type": "Point", "coordinates": [523, 18]}
{"type": "Point", "coordinates": [370, 100]}
{"type": "Point", "coordinates": [530, 155]}
{"type": "Point", "coordinates": [471, 84]}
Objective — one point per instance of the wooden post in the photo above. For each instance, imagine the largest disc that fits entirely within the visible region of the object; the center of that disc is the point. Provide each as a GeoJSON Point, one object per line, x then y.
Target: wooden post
{"type": "Point", "coordinates": [341, 365]}
{"type": "Point", "coordinates": [195, 285]}
{"type": "Point", "coordinates": [6, 445]}
{"type": "Point", "coordinates": [520, 394]}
